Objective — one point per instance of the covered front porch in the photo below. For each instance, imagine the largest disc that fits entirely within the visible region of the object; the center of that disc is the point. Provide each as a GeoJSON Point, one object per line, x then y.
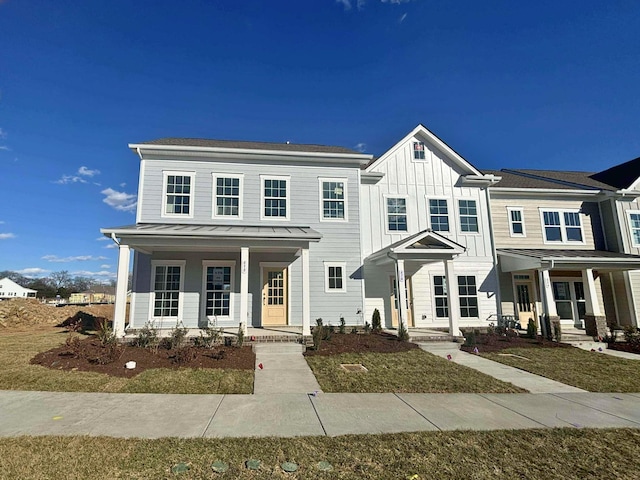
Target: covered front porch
{"type": "Point", "coordinates": [573, 287]}
{"type": "Point", "coordinates": [213, 275]}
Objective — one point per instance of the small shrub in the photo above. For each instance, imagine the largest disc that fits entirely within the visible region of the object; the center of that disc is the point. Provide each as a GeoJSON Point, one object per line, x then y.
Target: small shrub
{"type": "Point", "coordinates": [104, 332]}
{"type": "Point", "coordinates": [74, 347]}
{"type": "Point", "coordinates": [147, 336]}
{"type": "Point", "coordinates": [403, 334]}
{"type": "Point", "coordinates": [470, 338]}
{"type": "Point", "coordinates": [342, 326]}
{"type": "Point", "coordinates": [367, 328]}
{"type": "Point", "coordinates": [240, 339]}
{"type": "Point", "coordinates": [184, 355]}
{"type": "Point", "coordinates": [376, 323]}
{"type": "Point", "coordinates": [208, 337]}
{"type": "Point", "coordinates": [631, 335]}
{"type": "Point", "coordinates": [557, 332]}
{"type": "Point", "coordinates": [491, 329]}
{"type": "Point", "coordinates": [176, 337]}
{"type": "Point", "coordinates": [328, 331]}
{"type": "Point", "coordinates": [531, 329]}
{"type": "Point", "coordinates": [318, 334]}
{"type": "Point", "coordinates": [354, 330]}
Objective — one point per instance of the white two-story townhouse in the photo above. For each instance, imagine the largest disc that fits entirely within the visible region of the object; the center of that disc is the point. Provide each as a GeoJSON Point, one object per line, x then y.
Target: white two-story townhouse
{"type": "Point", "coordinates": [242, 233]}
{"type": "Point", "coordinates": [425, 226]}
{"type": "Point", "coordinates": [562, 248]}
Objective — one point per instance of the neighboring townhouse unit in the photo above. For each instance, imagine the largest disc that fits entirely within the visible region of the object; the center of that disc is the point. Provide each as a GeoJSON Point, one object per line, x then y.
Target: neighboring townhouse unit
{"type": "Point", "coordinates": [565, 247]}
{"type": "Point", "coordinates": [10, 289]}
{"type": "Point", "coordinates": [425, 224]}
{"type": "Point", "coordinates": [230, 233]}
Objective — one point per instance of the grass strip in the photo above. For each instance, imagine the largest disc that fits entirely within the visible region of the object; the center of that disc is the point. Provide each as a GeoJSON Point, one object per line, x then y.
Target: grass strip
{"type": "Point", "coordinates": [591, 371]}
{"type": "Point", "coordinates": [415, 371]}
{"type": "Point", "coordinates": [530, 454]}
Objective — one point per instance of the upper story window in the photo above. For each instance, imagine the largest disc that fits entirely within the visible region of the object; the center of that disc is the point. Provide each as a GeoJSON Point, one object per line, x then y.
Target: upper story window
{"type": "Point", "coordinates": [418, 151]}
{"type": "Point", "coordinates": [275, 198]}
{"type": "Point", "coordinates": [516, 221]}
{"type": "Point", "coordinates": [562, 226]}
{"type": "Point", "coordinates": [334, 277]}
{"type": "Point", "coordinates": [334, 195]}
{"type": "Point", "coordinates": [178, 193]}
{"type": "Point", "coordinates": [439, 215]}
{"type": "Point", "coordinates": [227, 199]}
{"type": "Point", "coordinates": [397, 214]}
{"type": "Point", "coordinates": [634, 226]}
{"type": "Point", "coordinates": [468, 216]}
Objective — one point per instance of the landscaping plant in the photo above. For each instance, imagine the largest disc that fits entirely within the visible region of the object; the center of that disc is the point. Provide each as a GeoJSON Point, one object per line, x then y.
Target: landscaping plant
{"type": "Point", "coordinates": [531, 329]}
{"type": "Point", "coordinates": [375, 321]}
{"type": "Point", "coordinates": [341, 329]}
{"type": "Point", "coordinates": [147, 336]}
{"type": "Point", "coordinates": [403, 333]}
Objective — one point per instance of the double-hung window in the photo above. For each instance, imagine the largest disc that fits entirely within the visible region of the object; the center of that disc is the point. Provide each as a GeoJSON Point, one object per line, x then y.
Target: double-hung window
{"type": "Point", "coordinates": [397, 214]}
{"type": "Point", "coordinates": [334, 277]}
{"type": "Point", "coordinates": [562, 226]}
{"type": "Point", "coordinates": [275, 198]}
{"type": "Point", "coordinates": [218, 285]}
{"type": "Point", "coordinates": [227, 199]}
{"type": "Point", "coordinates": [334, 199]}
{"type": "Point", "coordinates": [468, 296]}
{"type": "Point", "coordinates": [516, 221]}
{"type": "Point", "coordinates": [439, 215]}
{"type": "Point", "coordinates": [178, 193]}
{"type": "Point", "coordinates": [440, 296]}
{"type": "Point", "coordinates": [634, 227]}
{"type": "Point", "coordinates": [418, 151]}
{"type": "Point", "coordinates": [167, 285]}
{"type": "Point", "coordinates": [468, 216]}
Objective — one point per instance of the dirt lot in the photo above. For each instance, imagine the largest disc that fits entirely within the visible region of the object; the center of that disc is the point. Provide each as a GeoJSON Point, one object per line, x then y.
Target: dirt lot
{"type": "Point", "coordinates": [21, 314]}
{"type": "Point", "coordinates": [361, 343]}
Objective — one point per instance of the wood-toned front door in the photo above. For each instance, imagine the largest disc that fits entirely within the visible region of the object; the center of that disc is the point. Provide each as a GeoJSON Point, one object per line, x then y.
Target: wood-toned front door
{"type": "Point", "coordinates": [274, 296]}
{"type": "Point", "coordinates": [395, 314]}
{"type": "Point", "coordinates": [525, 303]}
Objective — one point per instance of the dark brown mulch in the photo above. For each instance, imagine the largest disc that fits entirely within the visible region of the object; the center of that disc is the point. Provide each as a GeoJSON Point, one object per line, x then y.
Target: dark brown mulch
{"type": "Point", "coordinates": [361, 343]}
{"type": "Point", "coordinates": [90, 356]}
{"type": "Point", "coordinates": [496, 343]}
{"type": "Point", "coordinates": [625, 347]}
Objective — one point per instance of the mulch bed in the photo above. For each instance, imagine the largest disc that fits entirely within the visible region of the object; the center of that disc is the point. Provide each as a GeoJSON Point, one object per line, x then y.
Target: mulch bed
{"type": "Point", "coordinates": [89, 355]}
{"type": "Point", "coordinates": [625, 347]}
{"type": "Point", "coordinates": [496, 343]}
{"type": "Point", "coordinates": [361, 343]}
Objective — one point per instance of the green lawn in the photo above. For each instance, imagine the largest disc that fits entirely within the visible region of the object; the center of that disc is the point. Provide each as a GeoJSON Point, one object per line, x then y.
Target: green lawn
{"type": "Point", "coordinates": [592, 371]}
{"type": "Point", "coordinates": [17, 348]}
{"type": "Point", "coordinates": [530, 454]}
{"type": "Point", "coordinates": [414, 371]}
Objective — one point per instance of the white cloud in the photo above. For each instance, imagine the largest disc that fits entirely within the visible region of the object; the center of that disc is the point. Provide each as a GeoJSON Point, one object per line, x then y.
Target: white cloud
{"type": "Point", "coordinates": [345, 3]}
{"type": "Point", "coordinates": [102, 239]}
{"type": "Point", "coordinates": [5, 148]}
{"type": "Point", "coordinates": [4, 236]}
{"type": "Point", "coordinates": [123, 184]}
{"type": "Point", "coordinates": [124, 202]}
{"type": "Point", "coordinates": [78, 258]}
{"type": "Point", "coordinates": [3, 133]}
{"type": "Point", "coordinates": [86, 172]}
{"type": "Point", "coordinates": [360, 147]}
{"type": "Point", "coordinates": [70, 179]}
{"type": "Point", "coordinates": [1, 222]}
{"type": "Point", "coordinates": [395, 2]}
{"type": "Point", "coordinates": [105, 266]}
{"type": "Point", "coordinates": [87, 273]}
{"type": "Point", "coordinates": [111, 245]}
{"type": "Point", "coordinates": [33, 272]}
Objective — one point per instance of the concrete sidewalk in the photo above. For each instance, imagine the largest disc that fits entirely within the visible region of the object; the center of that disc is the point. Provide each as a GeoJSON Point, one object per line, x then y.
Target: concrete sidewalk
{"type": "Point", "coordinates": [529, 381]}
{"type": "Point", "coordinates": [284, 369]}
{"type": "Point", "coordinates": [289, 415]}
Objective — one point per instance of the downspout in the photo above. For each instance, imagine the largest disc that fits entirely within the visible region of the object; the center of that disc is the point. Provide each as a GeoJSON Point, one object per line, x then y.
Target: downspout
{"type": "Point", "coordinates": [113, 237]}
{"type": "Point", "coordinates": [494, 254]}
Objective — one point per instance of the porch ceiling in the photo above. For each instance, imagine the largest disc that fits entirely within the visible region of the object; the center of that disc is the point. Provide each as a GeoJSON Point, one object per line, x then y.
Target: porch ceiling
{"type": "Point", "coordinates": [517, 259]}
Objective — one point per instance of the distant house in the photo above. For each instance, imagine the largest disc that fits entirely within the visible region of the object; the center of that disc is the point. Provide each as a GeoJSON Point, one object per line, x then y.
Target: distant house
{"type": "Point", "coordinates": [102, 295]}
{"type": "Point", "coordinates": [10, 289]}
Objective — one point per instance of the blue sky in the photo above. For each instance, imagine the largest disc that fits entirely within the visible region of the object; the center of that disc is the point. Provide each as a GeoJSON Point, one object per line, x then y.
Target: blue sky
{"type": "Point", "coordinates": [545, 84]}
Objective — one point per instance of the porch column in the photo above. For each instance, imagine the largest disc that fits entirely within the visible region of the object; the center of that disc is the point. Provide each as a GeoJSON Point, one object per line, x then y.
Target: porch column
{"type": "Point", "coordinates": [120, 308]}
{"type": "Point", "coordinates": [401, 294]}
{"type": "Point", "coordinates": [453, 300]}
{"type": "Point", "coordinates": [546, 293]}
{"type": "Point", "coordinates": [306, 302]}
{"type": "Point", "coordinates": [244, 287]}
{"type": "Point", "coordinates": [594, 322]}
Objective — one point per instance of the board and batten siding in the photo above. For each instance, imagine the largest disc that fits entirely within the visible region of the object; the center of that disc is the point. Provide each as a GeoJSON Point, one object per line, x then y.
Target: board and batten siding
{"type": "Point", "coordinates": [589, 218]}
{"type": "Point", "coordinates": [340, 239]}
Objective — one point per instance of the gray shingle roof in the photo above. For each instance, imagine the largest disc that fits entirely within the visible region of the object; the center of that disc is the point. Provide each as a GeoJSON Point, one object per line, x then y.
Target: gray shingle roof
{"type": "Point", "coordinates": [550, 179]}
{"type": "Point", "coordinates": [569, 253]}
{"type": "Point", "coordinates": [620, 176]}
{"type": "Point", "coordinates": [287, 147]}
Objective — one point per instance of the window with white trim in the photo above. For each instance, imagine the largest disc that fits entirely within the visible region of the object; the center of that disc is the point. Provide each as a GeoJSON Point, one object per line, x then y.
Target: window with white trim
{"type": "Point", "coordinates": [333, 193]}
{"type": "Point", "coordinates": [227, 196]}
{"type": "Point", "coordinates": [468, 296]}
{"type": "Point", "coordinates": [218, 283]}
{"type": "Point", "coordinates": [166, 290]}
{"type": "Point", "coordinates": [397, 214]}
{"type": "Point", "coordinates": [275, 198]}
{"type": "Point", "coordinates": [440, 296]}
{"type": "Point", "coordinates": [178, 194]}
{"type": "Point", "coordinates": [634, 227]}
{"type": "Point", "coordinates": [418, 151]}
{"type": "Point", "coordinates": [439, 215]}
{"type": "Point", "coordinates": [468, 216]}
{"type": "Point", "coordinates": [335, 277]}
{"type": "Point", "coordinates": [562, 226]}
{"type": "Point", "coordinates": [516, 221]}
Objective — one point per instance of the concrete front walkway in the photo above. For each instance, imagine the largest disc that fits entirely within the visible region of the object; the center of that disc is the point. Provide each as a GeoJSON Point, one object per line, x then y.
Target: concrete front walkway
{"type": "Point", "coordinates": [281, 368]}
{"type": "Point", "coordinates": [289, 415]}
{"type": "Point", "coordinates": [520, 378]}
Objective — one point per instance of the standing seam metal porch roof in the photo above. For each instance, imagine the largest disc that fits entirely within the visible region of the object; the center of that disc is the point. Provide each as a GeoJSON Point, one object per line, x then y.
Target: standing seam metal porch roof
{"type": "Point", "coordinates": [265, 232]}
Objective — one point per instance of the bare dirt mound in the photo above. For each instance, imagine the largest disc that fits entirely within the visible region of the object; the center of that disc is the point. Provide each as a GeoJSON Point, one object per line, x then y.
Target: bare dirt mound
{"type": "Point", "coordinates": [20, 313]}
{"type": "Point", "coordinates": [90, 355]}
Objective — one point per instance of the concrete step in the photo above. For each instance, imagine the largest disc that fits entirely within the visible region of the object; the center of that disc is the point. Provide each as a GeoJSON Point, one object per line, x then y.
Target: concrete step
{"type": "Point", "coordinates": [278, 348]}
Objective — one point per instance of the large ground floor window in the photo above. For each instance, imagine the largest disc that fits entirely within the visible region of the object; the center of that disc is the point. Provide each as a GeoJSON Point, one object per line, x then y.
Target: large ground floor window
{"type": "Point", "coordinates": [218, 283]}
{"type": "Point", "coordinates": [468, 296]}
{"type": "Point", "coordinates": [167, 284]}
